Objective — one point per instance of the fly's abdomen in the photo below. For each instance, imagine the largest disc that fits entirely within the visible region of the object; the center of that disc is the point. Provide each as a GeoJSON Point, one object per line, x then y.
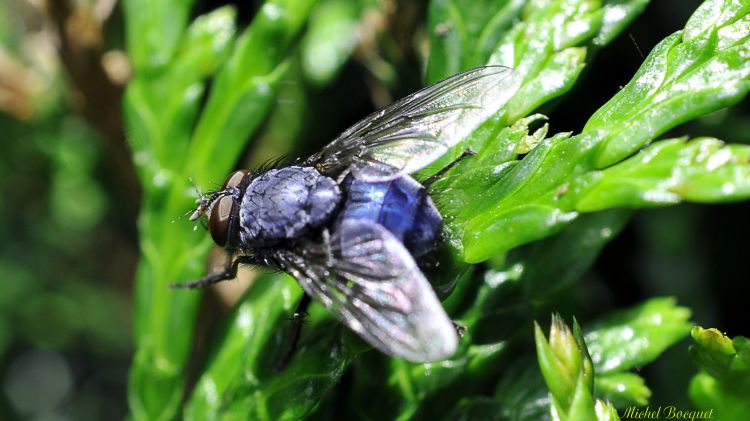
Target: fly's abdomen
{"type": "Point", "coordinates": [286, 203]}
{"type": "Point", "coordinates": [400, 205]}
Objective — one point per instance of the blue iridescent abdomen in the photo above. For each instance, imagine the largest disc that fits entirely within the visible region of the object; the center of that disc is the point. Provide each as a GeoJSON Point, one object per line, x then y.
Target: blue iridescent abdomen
{"type": "Point", "coordinates": [400, 205]}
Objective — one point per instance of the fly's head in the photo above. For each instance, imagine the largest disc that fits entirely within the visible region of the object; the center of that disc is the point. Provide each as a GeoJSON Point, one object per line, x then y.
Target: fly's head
{"type": "Point", "coordinates": [222, 207]}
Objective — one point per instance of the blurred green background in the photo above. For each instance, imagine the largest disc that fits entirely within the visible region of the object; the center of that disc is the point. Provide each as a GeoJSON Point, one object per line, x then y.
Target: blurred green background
{"type": "Point", "coordinates": [69, 196]}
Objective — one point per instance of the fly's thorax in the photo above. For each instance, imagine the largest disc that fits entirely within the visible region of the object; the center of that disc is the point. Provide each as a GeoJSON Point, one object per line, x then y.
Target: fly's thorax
{"type": "Point", "coordinates": [284, 204]}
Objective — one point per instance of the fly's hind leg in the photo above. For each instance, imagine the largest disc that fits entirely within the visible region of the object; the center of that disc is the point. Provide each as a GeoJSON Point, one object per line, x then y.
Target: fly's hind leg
{"type": "Point", "coordinates": [466, 153]}
{"type": "Point", "coordinates": [297, 320]}
{"type": "Point", "coordinates": [460, 329]}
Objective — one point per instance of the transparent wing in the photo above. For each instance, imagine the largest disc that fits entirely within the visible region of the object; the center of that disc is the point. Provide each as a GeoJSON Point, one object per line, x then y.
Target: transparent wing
{"type": "Point", "coordinates": [371, 283]}
{"type": "Point", "coordinates": [416, 130]}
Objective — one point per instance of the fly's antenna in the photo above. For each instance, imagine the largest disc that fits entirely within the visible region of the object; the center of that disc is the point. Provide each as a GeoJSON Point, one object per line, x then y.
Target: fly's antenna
{"type": "Point", "coordinates": [202, 203]}
{"type": "Point", "coordinates": [182, 216]}
{"type": "Point", "coordinates": [632, 38]}
{"type": "Point", "coordinates": [195, 187]}
{"type": "Point", "coordinates": [198, 202]}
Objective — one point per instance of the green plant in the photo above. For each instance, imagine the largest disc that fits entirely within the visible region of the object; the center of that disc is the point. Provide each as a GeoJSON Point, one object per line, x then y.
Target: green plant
{"type": "Point", "coordinates": [536, 209]}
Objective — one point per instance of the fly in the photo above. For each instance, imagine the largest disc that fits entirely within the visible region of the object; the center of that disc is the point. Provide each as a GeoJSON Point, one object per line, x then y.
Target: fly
{"type": "Point", "coordinates": [349, 221]}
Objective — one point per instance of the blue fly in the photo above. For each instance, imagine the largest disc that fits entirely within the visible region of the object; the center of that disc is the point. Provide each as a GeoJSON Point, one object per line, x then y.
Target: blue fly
{"type": "Point", "coordinates": [349, 221]}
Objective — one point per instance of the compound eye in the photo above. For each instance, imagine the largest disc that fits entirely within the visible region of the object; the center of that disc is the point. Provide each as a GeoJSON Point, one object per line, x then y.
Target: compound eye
{"type": "Point", "coordinates": [234, 179]}
{"type": "Point", "coordinates": [218, 222]}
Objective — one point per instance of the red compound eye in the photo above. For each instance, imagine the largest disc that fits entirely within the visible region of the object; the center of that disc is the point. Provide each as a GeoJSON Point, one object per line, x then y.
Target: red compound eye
{"type": "Point", "coordinates": [218, 222]}
{"type": "Point", "coordinates": [234, 179]}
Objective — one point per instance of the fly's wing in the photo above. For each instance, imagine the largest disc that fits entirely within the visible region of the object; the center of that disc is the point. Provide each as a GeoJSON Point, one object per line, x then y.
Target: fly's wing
{"type": "Point", "coordinates": [416, 130]}
{"type": "Point", "coordinates": [369, 280]}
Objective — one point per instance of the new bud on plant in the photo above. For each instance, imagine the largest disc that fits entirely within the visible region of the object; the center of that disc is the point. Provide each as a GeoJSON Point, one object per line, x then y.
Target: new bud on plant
{"type": "Point", "coordinates": [605, 411]}
{"type": "Point", "coordinates": [713, 340]}
{"type": "Point", "coordinates": [726, 359]}
{"type": "Point", "coordinates": [563, 359]}
{"type": "Point", "coordinates": [567, 369]}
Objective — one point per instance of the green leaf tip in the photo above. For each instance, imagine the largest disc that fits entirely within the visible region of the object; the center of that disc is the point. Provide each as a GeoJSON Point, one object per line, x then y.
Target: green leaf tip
{"type": "Point", "coordinates": [713, 340]}
{"type": "Point", "coordinates": [634, 337]}
{"type": "Point", "coordinates": [605, 411]}
{"type": "Point", "coordinates": [721, 356]}
{"type": "Point", "coordinates": [667, 172]}
{"type": "Point", "coordinates": [623, 389]}
{"type": "Point", "coordinates": [563, 362]}
{"type": "Point", "coordinates": [569, 373]}
{"type": "Point", "coordinates": [723, 383]}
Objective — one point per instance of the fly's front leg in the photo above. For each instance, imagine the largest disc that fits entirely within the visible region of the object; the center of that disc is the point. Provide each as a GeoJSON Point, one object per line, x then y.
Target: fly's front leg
{"type": "Point", "coordinates": [435, 177]}
{"type": "Point", "coordinates": [229, 272]}
{"type": "Point", "coordinates": [297, 320]}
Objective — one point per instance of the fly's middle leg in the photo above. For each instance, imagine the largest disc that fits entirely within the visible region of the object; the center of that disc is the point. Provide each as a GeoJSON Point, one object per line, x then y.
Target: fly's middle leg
{"type": "Point", "coordinates": [297, 320]}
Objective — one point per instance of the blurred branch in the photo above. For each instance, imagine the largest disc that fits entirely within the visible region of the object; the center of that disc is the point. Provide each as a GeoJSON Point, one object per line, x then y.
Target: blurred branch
{"type": "Point", "coordinates": [99, 93]}
{"type": "Point", "coordinates": [15, 86]}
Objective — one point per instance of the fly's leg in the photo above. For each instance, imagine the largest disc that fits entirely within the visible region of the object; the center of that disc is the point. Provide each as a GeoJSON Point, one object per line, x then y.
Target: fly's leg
{"type": "Point", "coordinates": [229, 272]}
{"type": "Point", "coordinates": [297, 320]}
{"type": "Point", "coordinates": [460, 329]}
{"type": "Point", "coordinates": [435, 177]}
